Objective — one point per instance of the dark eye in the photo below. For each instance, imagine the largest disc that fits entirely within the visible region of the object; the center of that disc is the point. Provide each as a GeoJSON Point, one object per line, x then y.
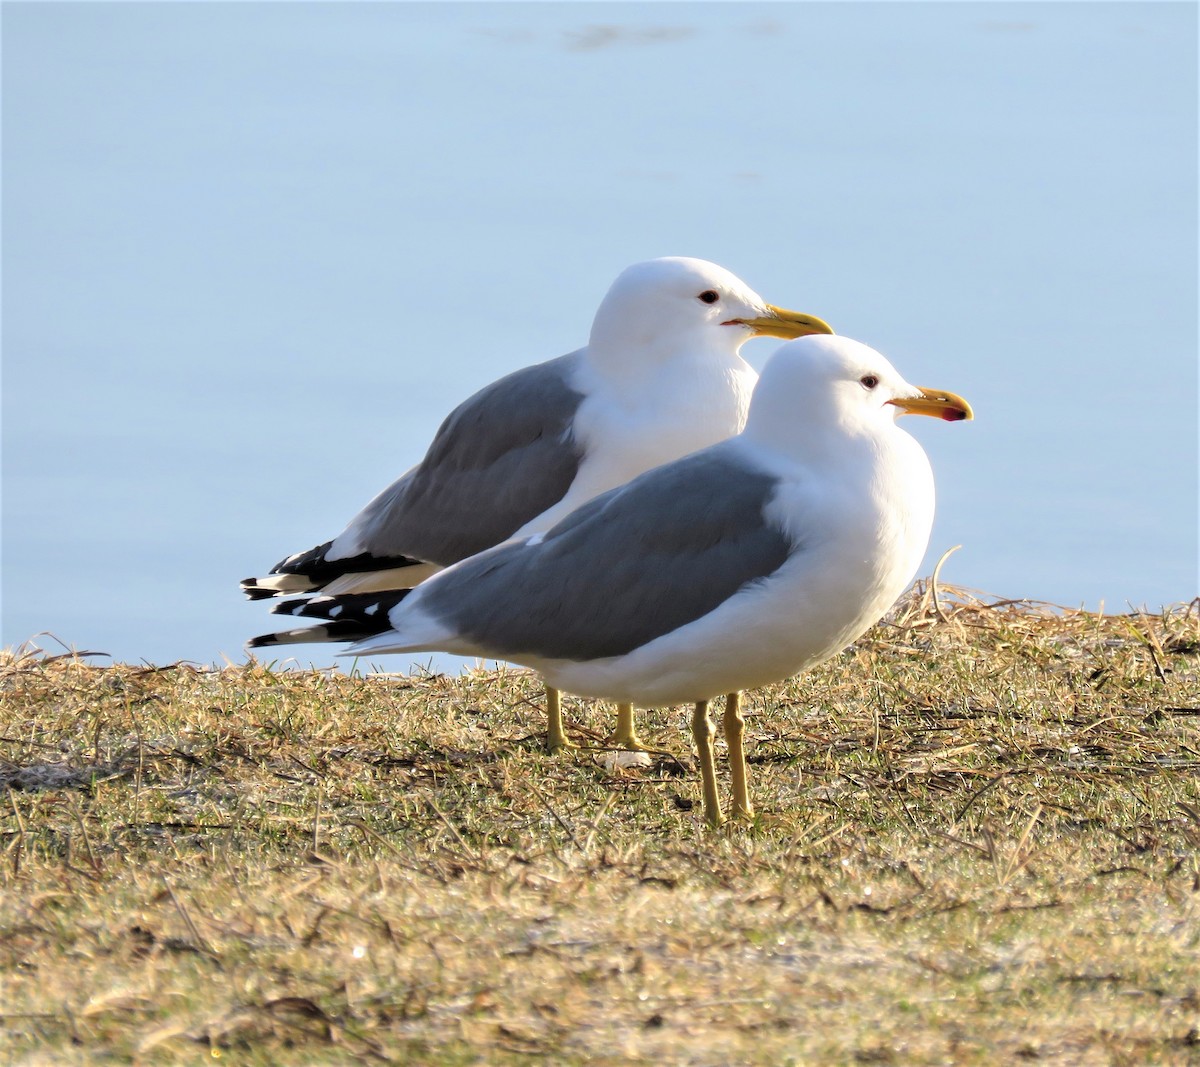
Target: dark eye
{"type": "Point", "coordinates": [710, 296]}
{"type": "Point", "coordinates": [869, 380]}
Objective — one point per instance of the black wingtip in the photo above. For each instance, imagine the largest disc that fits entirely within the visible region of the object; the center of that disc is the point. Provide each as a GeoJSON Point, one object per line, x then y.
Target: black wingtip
{"type": "Point", "coordinates": [335, 630]}
{"type": "Point", "coordinates": [369, 609]}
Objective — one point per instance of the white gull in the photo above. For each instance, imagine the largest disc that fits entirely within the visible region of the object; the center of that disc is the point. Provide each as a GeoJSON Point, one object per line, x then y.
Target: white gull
{"type": "Point", "coordinates": [736, 566]}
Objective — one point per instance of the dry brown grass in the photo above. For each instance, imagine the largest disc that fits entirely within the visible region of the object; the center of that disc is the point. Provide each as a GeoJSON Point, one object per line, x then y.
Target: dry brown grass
{"type": "Point", "coordinates": [978, 842]}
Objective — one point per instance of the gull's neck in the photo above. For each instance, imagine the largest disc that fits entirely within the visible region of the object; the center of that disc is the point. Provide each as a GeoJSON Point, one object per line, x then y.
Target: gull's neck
{"type": "Point", "coordinates": [624, 355]}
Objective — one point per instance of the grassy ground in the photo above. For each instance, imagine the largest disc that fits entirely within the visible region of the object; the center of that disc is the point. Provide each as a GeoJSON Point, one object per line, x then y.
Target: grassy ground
{"type": "Point", "coordinates": [978, 841]}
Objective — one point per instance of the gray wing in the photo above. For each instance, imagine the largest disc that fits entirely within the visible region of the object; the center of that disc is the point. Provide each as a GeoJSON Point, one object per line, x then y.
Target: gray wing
{"type": "Point", "coordinates": [627, 567]}
{"type": "Point", "coordinates": [499, 459]}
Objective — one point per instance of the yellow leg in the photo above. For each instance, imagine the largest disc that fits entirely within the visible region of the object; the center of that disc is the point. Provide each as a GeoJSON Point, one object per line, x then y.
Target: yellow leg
{"type": "Point", "coordinates": [625, 735]}
{"type": "Point", "coordinates": [703, 731]}
{"type": "Point", "coordinates": [734, 727]}
{"type": "Point", "coordinates": [556, 736]}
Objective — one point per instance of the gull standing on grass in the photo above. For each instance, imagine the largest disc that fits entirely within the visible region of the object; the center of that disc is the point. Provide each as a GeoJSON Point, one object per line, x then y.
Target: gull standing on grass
{"type": "Point", "coordinates": [733, 567]}
{"type": "Point", "coordinates": [660, 377]}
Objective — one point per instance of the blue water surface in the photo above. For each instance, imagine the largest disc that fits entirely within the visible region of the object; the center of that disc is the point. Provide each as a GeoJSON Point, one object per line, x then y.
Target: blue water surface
{"type": "Point", "coordinates": [253, 253]}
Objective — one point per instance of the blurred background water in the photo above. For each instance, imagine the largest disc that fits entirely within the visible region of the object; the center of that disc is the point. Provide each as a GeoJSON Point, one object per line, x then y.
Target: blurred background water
{"type": "Point", "coordinates": [253, 253]}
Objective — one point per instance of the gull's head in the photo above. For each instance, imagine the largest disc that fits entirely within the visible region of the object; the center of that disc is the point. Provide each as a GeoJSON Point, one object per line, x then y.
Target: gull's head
{"type": "Point", "coordinates": [815, 383]}
{"type": "Point", "coordinates": [664, 305]}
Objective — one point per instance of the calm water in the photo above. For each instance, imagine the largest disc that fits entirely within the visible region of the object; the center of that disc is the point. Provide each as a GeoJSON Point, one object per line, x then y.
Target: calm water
{"type": "Point", "coordinates": [253, 253]}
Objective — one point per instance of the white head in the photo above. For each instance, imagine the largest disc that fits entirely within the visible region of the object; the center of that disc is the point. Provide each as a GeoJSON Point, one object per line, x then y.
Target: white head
{"type": "Point", "coordinates": [664, 305]}
{"type": "Point", "coordinates": [817, 384]}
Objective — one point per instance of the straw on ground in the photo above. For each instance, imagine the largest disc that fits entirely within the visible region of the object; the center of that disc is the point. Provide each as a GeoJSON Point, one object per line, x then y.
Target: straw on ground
{"type": "Point", "coordinates": [977, 842]}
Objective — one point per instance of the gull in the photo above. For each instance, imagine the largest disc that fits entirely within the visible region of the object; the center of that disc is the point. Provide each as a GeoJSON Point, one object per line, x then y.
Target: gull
{"type": "Point", "coordinates": [659, 377]}
{"type": "Point", "coordinates": [739, 565]}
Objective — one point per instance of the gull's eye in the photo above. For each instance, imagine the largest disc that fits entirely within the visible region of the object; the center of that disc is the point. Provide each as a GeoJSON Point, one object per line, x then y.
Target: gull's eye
{"type": "Point", "coordinates": [710, 296]}
{"type": "Point", "coordinates": [869, 381]}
